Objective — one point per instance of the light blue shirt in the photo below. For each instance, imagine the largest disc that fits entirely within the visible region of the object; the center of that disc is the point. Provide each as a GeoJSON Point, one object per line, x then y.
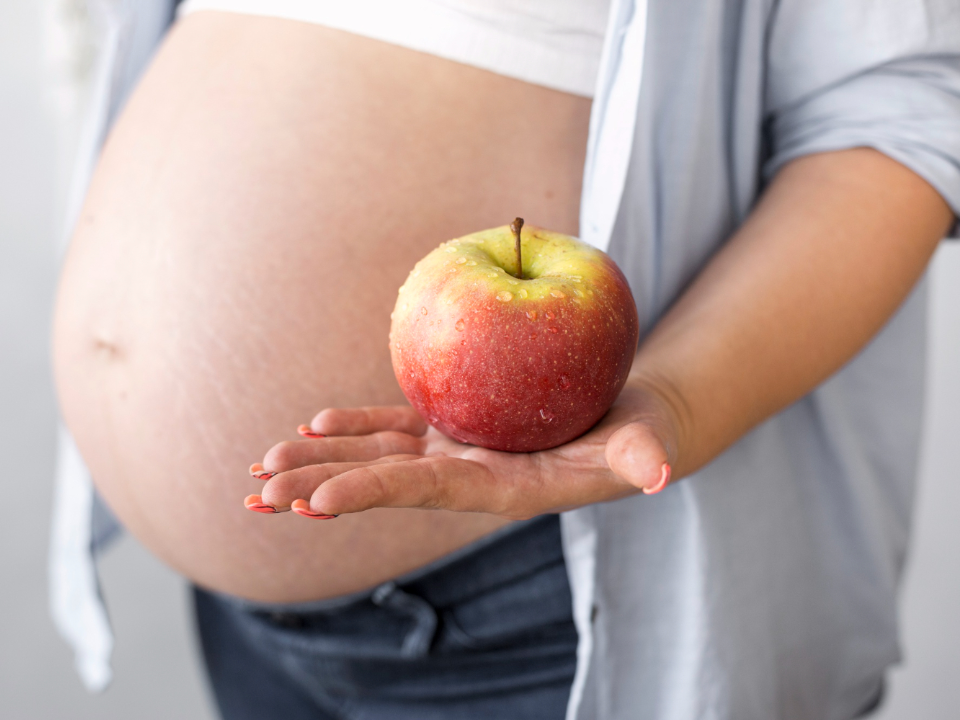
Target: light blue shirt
{"type": "Point", "coordinates": [765, 585]}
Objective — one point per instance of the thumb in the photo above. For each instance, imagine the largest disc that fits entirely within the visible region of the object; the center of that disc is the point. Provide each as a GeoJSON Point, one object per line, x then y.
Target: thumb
{"type": "Point", "coordinates": [638, 456]}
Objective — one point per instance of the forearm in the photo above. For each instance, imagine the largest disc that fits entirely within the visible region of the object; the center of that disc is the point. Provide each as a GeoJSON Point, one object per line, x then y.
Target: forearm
{"type": "Point", "coordinates": [831, 250]}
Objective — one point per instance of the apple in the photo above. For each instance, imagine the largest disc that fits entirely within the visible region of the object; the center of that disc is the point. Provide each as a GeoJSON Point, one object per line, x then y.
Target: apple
{"type": "Point", "coordinates": [508, 358]}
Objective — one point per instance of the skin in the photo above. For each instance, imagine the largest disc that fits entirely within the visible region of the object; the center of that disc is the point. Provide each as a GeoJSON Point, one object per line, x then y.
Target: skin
{"type": "Point", "coordinates": [831, 250]}
{"type": "Point", "coordinates": [256, 207]}
{"type": "Point", "coordinates": [258, 204]}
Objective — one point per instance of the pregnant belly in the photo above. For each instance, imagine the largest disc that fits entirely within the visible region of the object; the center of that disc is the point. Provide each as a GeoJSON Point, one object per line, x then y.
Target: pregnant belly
{"type": "Point", "coordinates": [256, 208]}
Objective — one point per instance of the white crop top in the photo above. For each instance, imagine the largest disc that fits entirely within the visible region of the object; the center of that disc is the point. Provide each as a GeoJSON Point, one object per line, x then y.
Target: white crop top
{"type": "Point", "coordinates": [554, 43]}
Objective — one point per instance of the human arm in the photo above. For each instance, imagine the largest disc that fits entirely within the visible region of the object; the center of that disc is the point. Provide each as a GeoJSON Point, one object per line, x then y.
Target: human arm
{"type": "Point", "coordinates": [833, 247]}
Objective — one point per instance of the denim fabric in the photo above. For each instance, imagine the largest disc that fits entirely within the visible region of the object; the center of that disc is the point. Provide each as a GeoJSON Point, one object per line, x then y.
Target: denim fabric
{"type": "Point", "coordinates": [489, 634]}
{"type": "Point", "coordinates": [765, 585]}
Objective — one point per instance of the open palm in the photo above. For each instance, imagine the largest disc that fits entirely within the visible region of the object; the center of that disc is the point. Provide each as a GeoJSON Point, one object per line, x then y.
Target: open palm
{"type": "Point", "coordinates": [361, 458]}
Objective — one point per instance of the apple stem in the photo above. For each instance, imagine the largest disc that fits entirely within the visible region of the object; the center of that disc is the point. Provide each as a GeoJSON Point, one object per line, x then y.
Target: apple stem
{"type": "Point", "coordinates": [516, 226]}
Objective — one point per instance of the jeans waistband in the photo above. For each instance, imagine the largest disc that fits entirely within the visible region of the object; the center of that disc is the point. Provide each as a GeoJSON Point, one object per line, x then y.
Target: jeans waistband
{"type": "Point", "coordinates": [509, 553]}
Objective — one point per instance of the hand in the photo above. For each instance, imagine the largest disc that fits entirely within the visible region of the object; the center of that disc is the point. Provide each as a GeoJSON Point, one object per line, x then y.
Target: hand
{"type": "Point", "coordinates": [389, 457]}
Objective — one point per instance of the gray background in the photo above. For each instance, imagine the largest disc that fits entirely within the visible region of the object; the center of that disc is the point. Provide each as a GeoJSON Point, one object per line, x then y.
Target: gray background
{"type": "Point", "coordinates": [156, 664]}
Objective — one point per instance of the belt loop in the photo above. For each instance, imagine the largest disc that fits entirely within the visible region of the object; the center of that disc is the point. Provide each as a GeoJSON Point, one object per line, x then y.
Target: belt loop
{"type": "Point", "coordinates": [418, 640]}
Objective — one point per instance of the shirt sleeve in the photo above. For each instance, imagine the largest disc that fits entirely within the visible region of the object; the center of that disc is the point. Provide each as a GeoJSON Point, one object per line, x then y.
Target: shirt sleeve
{"type": "Point", "coordinates": [867, 73]}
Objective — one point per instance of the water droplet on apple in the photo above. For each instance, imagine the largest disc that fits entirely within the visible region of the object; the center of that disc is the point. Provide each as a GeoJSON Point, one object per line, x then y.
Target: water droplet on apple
{"type": "Point", "coordinates": [450, 249]}
{"type": "Point", "coordinates": [423, 311]}
{"type": "Point", "coordinates": [460, 325]}
{"type": "Point", "coordinates": [453, 269]}
{"type": "Point", "coordinates": [415, 272]}
{"type": "Point", "coordinates": [532, 314]}
{"type": "Point", "coordinates": [550, 316]}
{"type": "Point", "coordinates": [471, 263]}
{"type": "Point", "coordinates": [553, 329]}
{"type": "Point", "coordinates": [577, 293]}
{"type": "Point", "coordinates": [461, 260]}
{"type": "Point", "coordinates": [434, 420]}
{"type": "Point", "coordinates": [557, 294]}
{"type": "Point", "coordinates": [576, 278]}
{"type": "Point", "coordinates": [504, 296]}
{"type": "Point", "coordinates": [523, 292]}
{"type": "Point", "coordinates": [547, 415]}
{"type": "Point", "coordinates": [513, 282]}
{"type": "Point", "coordinates": [564, 382]}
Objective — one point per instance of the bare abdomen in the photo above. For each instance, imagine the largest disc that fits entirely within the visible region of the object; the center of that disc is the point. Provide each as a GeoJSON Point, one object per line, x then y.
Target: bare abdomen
{"type": "Point", "coordinates": [257, 206]}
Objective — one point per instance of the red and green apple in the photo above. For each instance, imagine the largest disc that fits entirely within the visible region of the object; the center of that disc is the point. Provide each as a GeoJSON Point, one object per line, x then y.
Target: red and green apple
{"type": "Point", "coordinates": [514, 338]}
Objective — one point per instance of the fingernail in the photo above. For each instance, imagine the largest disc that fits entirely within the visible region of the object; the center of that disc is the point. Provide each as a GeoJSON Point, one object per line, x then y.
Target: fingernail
{"type": "Point", "coordinates": [256, 503]}
{"type": "Point", "coordinates": [258, 472]}
{"type": "Point", "coordinates": [306, 431]}
{"type": "Point", "coordinates": [664, 480]}
{"type": "Point", "coordinates": [302, 507]}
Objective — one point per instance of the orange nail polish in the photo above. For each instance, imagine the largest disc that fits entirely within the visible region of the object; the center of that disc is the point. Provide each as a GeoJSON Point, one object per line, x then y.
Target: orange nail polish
{"type": "Point", "coordinates": [302, 507]}
{"type": "Point", "coordinates": [256, 504]}
{"type": "Point", "coordinates": [663, 482]}
{"type": "Point", "coordinates": [307, 432]}
{"type": "Point", "coordinates": [258, 472]}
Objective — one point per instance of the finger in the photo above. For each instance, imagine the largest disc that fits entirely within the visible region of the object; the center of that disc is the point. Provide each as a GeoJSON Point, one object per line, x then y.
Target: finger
{"type": "Point", "coordinates": [300, 453]}
{"type": "Point", "coordinates": [427, 482]}
{"type": "Point", "coordinates": [260, 473]}
{"type": "Point", "coordinates": [637, 455]}
{"type": "Point", "coordinates": [308, 432]}
{"type": "Point", "coordinates": [368, 420]}
{"type": "Point", "coordinates": [300, 483]}
{"type": "Point", "coordinates": [302, 507]}
{"type": "Point", "coordinates": [256, 504]}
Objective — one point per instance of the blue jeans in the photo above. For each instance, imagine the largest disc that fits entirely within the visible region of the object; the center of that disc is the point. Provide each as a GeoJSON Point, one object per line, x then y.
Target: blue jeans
{"type": "Point", "coordinates": [484, 633]}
